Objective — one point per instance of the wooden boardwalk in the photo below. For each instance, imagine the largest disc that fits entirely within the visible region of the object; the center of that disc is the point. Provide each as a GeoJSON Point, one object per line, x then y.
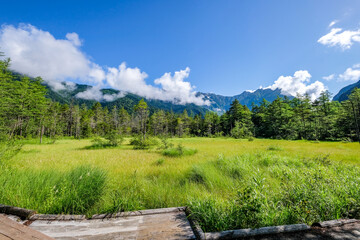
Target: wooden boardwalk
{"type": "Point", "coordinates": [11, 230]}
{"type": "Point", "coordinates": [167, 223]}
{"type": "Point", "coordinates": [148, 224]}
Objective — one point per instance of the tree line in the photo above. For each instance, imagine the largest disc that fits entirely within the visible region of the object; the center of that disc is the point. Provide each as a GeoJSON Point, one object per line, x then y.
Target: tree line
{"type": "Point", "coordinates": [25, 112]}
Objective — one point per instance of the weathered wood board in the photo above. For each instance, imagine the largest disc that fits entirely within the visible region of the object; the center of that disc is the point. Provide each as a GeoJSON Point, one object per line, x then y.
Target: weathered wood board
{"type": "Point", "coordinates": [11, 230]}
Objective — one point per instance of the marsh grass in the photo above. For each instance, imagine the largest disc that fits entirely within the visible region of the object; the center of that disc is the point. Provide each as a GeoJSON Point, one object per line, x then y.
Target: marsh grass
{"type": "Point", "coordinates": [111, 140]}
{"type": "Point", "coordinates": [9, 150]}
{"type": "Point", "coordinates": [179, 151]}
{"type": "Point", "coordinates": [160, 161]}
{"type": "Point", "coordinates": [275, 148]}
{"type": "Point", "coordinates": [290, 191]}
{"type": "Point", "coordinates": [228, 184]}
{"type": "Point", "coordinates": [73, 192]}
{"type": "Point", "coordinates": [140, 144]}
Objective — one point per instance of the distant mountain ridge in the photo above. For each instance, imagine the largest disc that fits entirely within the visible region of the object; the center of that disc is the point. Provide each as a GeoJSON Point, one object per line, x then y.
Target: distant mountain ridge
{"type": "Point", "coordinates": [128, 101]}
{"type": "Point", "coordinates": [219, 103]}
{"type": "Point", "coordinates": [344, 93]}
{"type": "Point", "coordinates": [222, 103]}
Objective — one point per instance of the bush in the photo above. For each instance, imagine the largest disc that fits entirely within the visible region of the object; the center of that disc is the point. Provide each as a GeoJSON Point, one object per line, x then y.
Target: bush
{"type": "Point", "coordinates": [179, 151]}
{"type": "Point", "coordinates": [274, 148]}
{"type": "Point", "coordinates": [112, 139]}
{"type": "Point", "coordinates": [197, 175]}
{"type": "Point", "coordinates": [159, 162]}
{"type": "Point", "coordinates": [165, 144]}
{"type": "Point", "coordinates": [139, 143]}
{"type": "Point", "coordinates": [240, 131]}
{"type": "Point", "coordinates": [310, 190]}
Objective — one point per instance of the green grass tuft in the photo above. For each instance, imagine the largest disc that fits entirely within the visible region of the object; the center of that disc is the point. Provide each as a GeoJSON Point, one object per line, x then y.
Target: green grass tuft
{"type": "Point", "coordinates": [179, 151]}
{"type": "Point", "coordinates": [275, 148]}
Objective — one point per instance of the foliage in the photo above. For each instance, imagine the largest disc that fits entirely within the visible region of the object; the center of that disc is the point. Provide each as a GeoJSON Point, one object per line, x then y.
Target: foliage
{"type": "Point", "coordinates": [179, 151]}
{"type": "Point", "coordinates": [275, 148]}
{"type": "Point", "coordinates": [112, 139]}
{"type": "Point", "coordinates": [240, 131]}
{"type": "Point", "coordinates": [160, 161]}
{"type": "Point", "coordinates": [140, 143]}
{"type": "Point", "coordinates": [310, 191]}
{"type": "Point", "coordinates": [9, 149]}
{"type": "Point", "coordinates": [74, 192]}
{"type": "Point", "coordinates": [165, 143]}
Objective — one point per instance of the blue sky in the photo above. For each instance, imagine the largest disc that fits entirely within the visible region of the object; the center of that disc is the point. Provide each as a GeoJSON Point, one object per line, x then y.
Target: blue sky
{"type": "Point", "coordinates": [229, 46]}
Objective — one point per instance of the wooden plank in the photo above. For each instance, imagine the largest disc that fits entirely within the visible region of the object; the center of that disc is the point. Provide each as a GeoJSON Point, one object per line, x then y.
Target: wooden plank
{"type": "Point", "coordinates": [9, 229]}
{"type": "Point", "coordinates": [167, 225]}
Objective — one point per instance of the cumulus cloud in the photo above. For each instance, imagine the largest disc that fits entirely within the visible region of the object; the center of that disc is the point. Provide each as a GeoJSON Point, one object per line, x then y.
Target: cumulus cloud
{"type": "Point", "coordinates": [38, 53]}
{"type": "Point", "coordinates": [338, 37]}
{"type": "Point", "coordinates": [172, 87]}
{"type": "Point", "coordinates": [329, 78]}
{"type": "Point", "coordinates": [35, 52]}
{"type": "Point", "coordinates": [94, 93]}
{"type": "Point", "coordinates": [351, 74]}
{"type": "Point", "coordinates": [298, 84]}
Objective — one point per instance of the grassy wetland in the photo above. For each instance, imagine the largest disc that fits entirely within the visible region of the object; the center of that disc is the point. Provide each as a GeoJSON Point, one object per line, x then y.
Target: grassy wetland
{"type": "Point", "coordinates": [228, 183]}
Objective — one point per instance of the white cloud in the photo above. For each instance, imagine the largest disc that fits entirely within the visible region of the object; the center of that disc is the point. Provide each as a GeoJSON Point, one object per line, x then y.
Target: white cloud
{"type": "Point", "coordinates": [333, 23]}
{"type": "Point", "coordinates": [297, 84]}
{"type": "Point", "coordinates": [329, 78]}
{"type": "Point", "coordinates": [94, 93]}
{"type": "Point", "coordinates": [35, 52]}
{"type": "Point", "coordinates": [74, 38]}
{"type": "Point", "coordinates": [351, 74]}
{"type": "Point", "coordinates": [338, 37]}
{"type": "Point", "coordinates": [251, 91]}
{"type": "Point", "coordinates": [173, 88]}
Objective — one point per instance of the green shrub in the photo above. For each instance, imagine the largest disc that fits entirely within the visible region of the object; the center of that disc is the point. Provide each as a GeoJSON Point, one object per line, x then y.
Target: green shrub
{"type": "Point", "coordinates": [165, 144]}
{"type": "Point", "coordinates": [112, 139]}
{"type": "Point", "coordinates": [179, 151]}
{"type": "Point", "coordinates": [274, 148]}
{"type": "Point", "coordinates": [139, 143]}
{"type": "Point", "coordinates": [310, 190]}
{"type": "Point", "coordinates": [160, 161]}
{"type": "Point", "coordinates": [197, 175]}
{"type": "Point", "coordinates": [240, 131]}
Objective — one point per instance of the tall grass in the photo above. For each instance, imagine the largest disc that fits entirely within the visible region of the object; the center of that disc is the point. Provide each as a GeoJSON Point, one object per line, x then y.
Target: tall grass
{"type": "Point", "coordinates": [179, 151]}
{"type": "Point", "coordinates": [73, 192]}
{"type": "Point", "coordinates": [228, 183]}
{"type": "Point", "coordinates": [279, 190]}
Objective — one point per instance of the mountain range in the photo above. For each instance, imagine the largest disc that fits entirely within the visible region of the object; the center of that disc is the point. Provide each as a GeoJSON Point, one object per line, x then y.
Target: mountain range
{"type": "Point", "coordinates": [345, 92]}
{"type": "Point", "coordinates": [218, 104]}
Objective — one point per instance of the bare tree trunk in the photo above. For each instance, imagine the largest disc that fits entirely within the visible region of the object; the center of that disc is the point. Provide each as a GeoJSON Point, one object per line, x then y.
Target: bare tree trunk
{"type": "Point", "coordinates": [356, 121]}
{"type": "Point", "coordinates": [42, 133]}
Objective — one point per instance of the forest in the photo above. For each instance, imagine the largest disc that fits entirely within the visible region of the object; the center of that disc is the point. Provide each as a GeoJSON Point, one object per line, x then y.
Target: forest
{"type": "Point", "coordinates": [26, 112]}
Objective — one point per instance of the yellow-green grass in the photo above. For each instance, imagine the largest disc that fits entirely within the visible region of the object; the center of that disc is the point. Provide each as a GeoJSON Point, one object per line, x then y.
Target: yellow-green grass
{"type": "Point", "coordinates": [137, 179]}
